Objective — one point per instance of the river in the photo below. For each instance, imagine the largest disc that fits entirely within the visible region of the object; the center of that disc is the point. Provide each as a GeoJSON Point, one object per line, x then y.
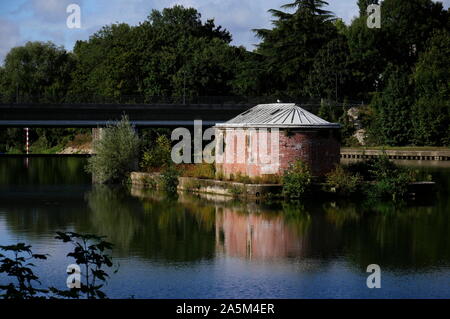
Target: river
{"type": "Point", "coordinates": [212, 247]}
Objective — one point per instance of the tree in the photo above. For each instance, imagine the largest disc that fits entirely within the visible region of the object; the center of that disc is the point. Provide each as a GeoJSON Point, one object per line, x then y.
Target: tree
{"type": "Point", "coordinates": [329, 73]}
{"type": "Point", "coordinates": [108, 65]}
{"type": "Point", "coordinates": [36, 72]}
{"type": "Point", "coordinates": [290, 47]}
{"type": "Point", "coordinates": [366, 57]}
{"type": "Point", "coordinates": [393, 108]}
{"type": "Point", "coordinates": [185, 57]}
{"type": "Point", "coordinates": [431, 111]}
{"type": "Point", "coordinates": [171, 54]}
{"type": "Point", "coordinates": [407, 26]}
{"type": "Point", "coordinates": [405, 29]}
{"type": "Point", "coordinates": [363, 4]}
{"type": "Point", "coordinates": [116, 153]}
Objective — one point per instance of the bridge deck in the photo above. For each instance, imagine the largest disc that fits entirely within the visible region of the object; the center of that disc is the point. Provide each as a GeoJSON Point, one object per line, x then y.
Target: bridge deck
{"type": "Point", "coordinates": [93, 115]}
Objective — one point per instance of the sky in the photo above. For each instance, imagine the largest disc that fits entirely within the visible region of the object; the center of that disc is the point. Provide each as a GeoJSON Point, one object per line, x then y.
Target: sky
{"type": "Point", "coordinates": [45, 20]}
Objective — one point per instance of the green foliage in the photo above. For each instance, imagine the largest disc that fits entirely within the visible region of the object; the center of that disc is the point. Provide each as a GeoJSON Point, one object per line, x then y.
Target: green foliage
{"type": "Point", "coordinates": [19, 267]}
{"type": "Point", "coordinates": [115, 152]}
{"type": "Point", "coordinates": [431, 111]}
{"type": "Point", "coordinates": [393, 108]}
{"type": "Point", "coordinates": [386, 179]}
{"type": "Point", "coordinates": [158, 156]}
{"type": "Point", "coordinates": [291, 46]}
{"type": "Point", "coordinates": [343, 182]}
{"type": "Point", "coordinates": [171, 53]}
{"type": "Point", "coordinates": [329, 76]}
{"type": "Point", "coordinates": [11, 140]}
{"type": "Point", "coordinates": [391, 181]}
{"type": "Point", "coordinates": [36, 72]}
{"type": "Point", "coordinates": [91, 254]}
{"type": "Point", "coordinates": [169, 179]}
{"type": "Point", "coordinates": [296, 180]}
{"type": "Point", "coordinates": [394, 187]}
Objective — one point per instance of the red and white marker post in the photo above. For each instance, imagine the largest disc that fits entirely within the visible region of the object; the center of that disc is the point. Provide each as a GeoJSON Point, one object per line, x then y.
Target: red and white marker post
{"type": "Point", "coordinates": [27, 140]}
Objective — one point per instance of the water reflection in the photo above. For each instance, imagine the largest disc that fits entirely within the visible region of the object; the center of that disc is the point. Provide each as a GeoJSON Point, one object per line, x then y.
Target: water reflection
{"type": "Point", "coordinates": [148, 225]}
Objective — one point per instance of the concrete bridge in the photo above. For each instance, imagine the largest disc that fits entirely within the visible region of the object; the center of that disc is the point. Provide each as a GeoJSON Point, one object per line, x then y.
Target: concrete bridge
{"type": "Point", "coordinates": [99, 115]}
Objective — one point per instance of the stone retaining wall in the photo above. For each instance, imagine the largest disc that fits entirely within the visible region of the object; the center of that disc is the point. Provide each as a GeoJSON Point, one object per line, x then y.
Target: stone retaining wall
{"type": "Point", "coordinates": [210, 186]}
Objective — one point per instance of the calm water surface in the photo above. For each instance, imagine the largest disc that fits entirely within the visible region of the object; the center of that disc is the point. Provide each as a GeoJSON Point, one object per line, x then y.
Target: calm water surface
{"type": "Point", "coordinates": [208, 247]}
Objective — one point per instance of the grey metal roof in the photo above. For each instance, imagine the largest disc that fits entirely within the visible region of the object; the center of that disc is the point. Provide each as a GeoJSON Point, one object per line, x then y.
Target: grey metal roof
{"type": "Point", "coordinates": [282, 115]}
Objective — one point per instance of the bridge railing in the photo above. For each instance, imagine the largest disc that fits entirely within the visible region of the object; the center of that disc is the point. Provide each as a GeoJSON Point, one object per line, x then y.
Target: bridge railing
{"type": "Point", "coordinates": [313, 104]}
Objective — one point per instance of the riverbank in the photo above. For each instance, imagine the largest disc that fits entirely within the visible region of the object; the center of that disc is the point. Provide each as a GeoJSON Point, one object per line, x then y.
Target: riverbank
{"type": "Point", "coordinates": [244, 190]}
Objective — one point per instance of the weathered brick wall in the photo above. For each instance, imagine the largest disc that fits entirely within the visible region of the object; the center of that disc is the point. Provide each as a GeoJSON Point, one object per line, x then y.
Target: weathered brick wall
{"type": "Point", "coordinates": [320, 149]}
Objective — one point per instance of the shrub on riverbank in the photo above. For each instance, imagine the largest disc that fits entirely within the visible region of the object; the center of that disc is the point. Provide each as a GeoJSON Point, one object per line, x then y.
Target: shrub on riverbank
{"type": "Point", "coordinates": [343, 182]}
{"type": "Point", "coordinates": [116, 153]}
{"type": "Point", "coordinates": [158, 156]}
{"type": "Point", "coordinates": [169, 179]}
{"type": "Point", "coordinates": [297, 180]}
{"type": "Point", "coordinates": [381, 177]}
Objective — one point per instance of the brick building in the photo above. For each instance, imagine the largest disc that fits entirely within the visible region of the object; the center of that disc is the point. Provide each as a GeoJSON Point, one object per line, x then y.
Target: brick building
{"type": "Point", "coordinates": [267, 138]}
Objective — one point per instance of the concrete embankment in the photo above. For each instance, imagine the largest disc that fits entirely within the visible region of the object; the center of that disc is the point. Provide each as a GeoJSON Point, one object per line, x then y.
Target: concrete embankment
{"type": "Point", "coordinates": [208, 186]}
{"type": "Point", "coordinates": [235, 189]}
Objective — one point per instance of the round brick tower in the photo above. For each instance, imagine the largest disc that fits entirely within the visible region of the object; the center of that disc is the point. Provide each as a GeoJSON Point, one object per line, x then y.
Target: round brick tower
{"type": "Point", "coordinates": [267, 138]}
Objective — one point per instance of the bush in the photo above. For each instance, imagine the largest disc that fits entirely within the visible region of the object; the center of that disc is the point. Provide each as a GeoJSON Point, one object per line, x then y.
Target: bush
{"type": "Point", "coordinates": [344, 182]}
{"type": "Point", "coordinates": [158, 156]}
{"type": "Point", "coordinates": [388, 179]}
{"type": "Point", "coordinates": [394, 186]}
{"type": "Point", "coordinates": [115, 152]}
{"type": "Point", "coordinates": [296, 180]}
{"type": "Point", "coordinates": [169, 179]}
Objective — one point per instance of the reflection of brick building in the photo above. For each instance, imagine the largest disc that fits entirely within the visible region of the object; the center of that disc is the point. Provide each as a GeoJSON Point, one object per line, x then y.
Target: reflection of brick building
{"type": "Point", "coordinates": [257, 236]}
{"type": "Point", "coordinates": [269, 137]}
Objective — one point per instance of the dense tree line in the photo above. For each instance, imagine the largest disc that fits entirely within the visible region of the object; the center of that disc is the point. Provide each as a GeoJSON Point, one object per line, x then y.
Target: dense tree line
{"type": "Point", "coordinates": [401, 70]}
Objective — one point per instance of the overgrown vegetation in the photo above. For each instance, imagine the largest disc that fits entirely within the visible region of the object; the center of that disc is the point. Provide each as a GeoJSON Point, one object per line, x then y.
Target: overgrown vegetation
{"type": "Point", "coordinates": [169, 179]}
{"type": "Point", "coordinates": [297, 180]}
{"type": "Point", "coordinates": [158, 156]}
{"type": "Point", "coordinates": [343, 182]}
{"type": "Point", "coordinates": [378, 178]}
{"type": "Point", "coordinates": [116, 153]}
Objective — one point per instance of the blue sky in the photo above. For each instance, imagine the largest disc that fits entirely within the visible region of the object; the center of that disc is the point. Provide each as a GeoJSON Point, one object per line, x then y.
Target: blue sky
{"type": "Point", "coordinates": [45, 20]}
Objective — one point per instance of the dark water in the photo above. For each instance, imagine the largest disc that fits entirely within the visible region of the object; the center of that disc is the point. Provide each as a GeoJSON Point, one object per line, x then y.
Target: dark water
{"type": "Point", "coordinates": [209, 247]}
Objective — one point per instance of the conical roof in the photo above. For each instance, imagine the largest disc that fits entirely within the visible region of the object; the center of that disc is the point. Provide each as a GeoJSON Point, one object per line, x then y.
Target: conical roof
{"type": "Point", "coordinates": [281, 115]}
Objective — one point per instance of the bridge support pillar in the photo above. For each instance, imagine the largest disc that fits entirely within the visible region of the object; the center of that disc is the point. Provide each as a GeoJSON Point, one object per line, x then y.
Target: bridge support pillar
{"type": "Point", "coordinates": [97, 134]}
